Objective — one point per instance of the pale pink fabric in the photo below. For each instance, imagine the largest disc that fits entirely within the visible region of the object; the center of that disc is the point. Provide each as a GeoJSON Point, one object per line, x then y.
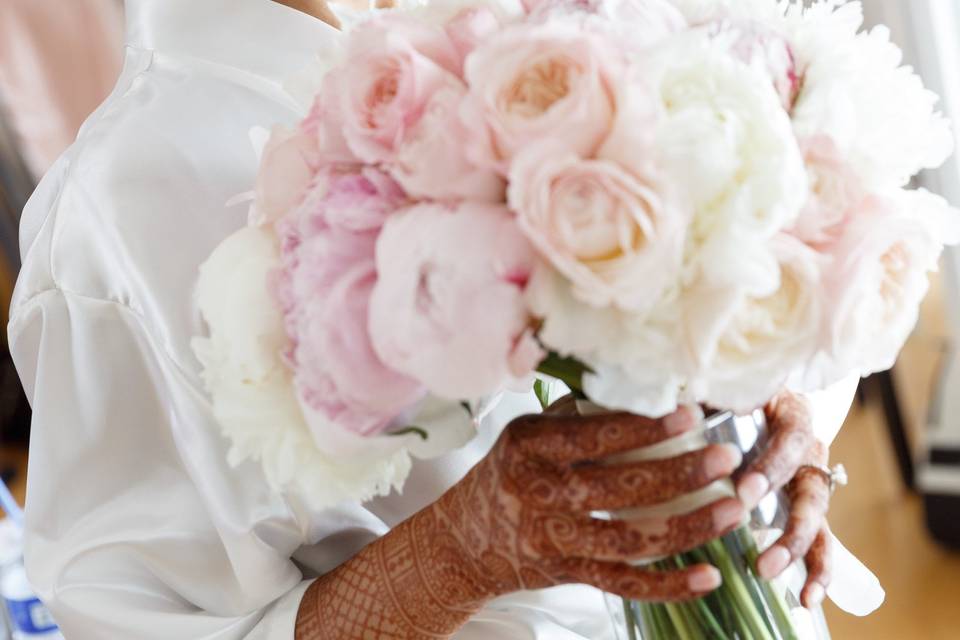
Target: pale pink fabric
{"type": "Point", "coordinates": [58, 61]}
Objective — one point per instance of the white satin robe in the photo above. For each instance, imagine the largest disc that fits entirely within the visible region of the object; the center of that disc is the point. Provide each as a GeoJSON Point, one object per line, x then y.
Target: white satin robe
{"type": "Point", "coordinates": [137, 528]}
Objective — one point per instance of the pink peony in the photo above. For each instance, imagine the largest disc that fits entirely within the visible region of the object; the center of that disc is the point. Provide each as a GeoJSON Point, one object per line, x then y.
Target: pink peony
{"type": "Point", "coordinates": [288, 165]}
{"type": "Point", "coordinates": [396, 66]}
{"type": "Point", "coordinates": [536, 82]}
{"type": "Point", "coordinates": [324, 286]}
{"type": "Point", "coordinates": [449, 307]}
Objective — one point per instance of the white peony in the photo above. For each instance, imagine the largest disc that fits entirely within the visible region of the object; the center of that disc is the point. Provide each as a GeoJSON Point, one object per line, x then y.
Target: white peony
{"type": "Point", "coordinates": [854, 90]}
{"type": "Point", "coordinates": [255, 402]}
{"type": "Point", "coordinates": [637, 365]}
{"type": "Point", "coordinates": [725, 143]}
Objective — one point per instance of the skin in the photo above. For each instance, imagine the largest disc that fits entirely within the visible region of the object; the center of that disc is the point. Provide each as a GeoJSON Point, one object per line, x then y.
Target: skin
{"type": "Point", "coordinates": [320, 9]}
{"type": "Point", "coordinates": [316, 8]}
{"type": "Point", "coordinates": [521, 520]}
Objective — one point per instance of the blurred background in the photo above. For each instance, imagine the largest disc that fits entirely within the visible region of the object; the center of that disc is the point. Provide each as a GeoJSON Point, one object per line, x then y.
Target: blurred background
{"type": "Point", "coordinates": [901, 443]}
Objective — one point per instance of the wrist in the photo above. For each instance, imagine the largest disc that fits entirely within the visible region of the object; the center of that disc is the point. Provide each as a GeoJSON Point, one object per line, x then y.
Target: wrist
{"type": "Point", "coordinates": [431, 571]}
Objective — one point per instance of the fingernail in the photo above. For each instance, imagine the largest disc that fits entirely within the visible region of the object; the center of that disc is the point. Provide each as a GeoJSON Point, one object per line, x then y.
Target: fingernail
{"type": "Point", "coordinates": [683, 419]}
{"type": "Point", "coordinates": [752, 488]}
{"type": "Point", "coordinates": [706, 579]}
{"type": "Point", "coordinates": [722, 460]}
{"type": "Point", "coordinates": [773, 562]}
{"type": "Point", "coordinates": [815, 594]}
{"type": "Point", "coordinates": [727, 514]}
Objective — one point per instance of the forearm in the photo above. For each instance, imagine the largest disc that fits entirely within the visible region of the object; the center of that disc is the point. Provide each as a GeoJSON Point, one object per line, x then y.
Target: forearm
{"type": "Point", "coordinates": [411, 584]}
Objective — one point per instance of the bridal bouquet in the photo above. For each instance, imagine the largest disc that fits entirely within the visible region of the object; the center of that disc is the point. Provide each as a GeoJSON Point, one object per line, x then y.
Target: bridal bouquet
{"type": "Point", "coordinates": [659, 202]}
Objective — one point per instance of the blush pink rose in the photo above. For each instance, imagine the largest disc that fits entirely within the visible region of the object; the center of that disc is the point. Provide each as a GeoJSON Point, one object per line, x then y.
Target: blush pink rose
{"type": "Point", "coordinates": [324, 285]}
{"type": "Point", "coordinates": [289, 162]}
{"type": "Point", "coordinates": [325, 124]}
{"type": "Point", "coordinates": [396, 65]}
{"type": "Point", "coordinates": [471, 26]}
{"type": "Point", "coordinates": [835, 191]}
{"type": "Point", "coordinates": [448, 308]}
{"type": "Point", "coordinates": [879, 276]}
{"type": "Point", "coordinates": [535, 82]}
{"type": "Point", "coordinates": [431, 162]}
{"type": "Point", "coordinates": [617, 238]}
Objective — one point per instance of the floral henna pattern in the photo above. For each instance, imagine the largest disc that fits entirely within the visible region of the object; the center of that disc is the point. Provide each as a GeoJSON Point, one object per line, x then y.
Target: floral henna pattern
{"type": "Point", "coordinates": [521, 520]}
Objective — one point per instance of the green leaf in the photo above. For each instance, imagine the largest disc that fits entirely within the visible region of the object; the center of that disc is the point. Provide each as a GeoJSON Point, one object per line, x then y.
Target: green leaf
{"type": "Point", "coordinates": [408, 430]}
{"type": "Point", "coordinates": [568, 370]}
{"type": "Point", "coordinates": [543, 393]}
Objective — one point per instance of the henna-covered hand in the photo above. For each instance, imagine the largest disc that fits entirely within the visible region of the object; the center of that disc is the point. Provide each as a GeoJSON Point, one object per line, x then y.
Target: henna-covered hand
{"type": "Point", "coordinates": [521, 519]}
{"type": "Point", "coordinates": [792, 446]}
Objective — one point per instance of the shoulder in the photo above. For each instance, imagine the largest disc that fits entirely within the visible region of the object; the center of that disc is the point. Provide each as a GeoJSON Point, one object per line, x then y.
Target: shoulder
{"type": "Point", "coordinates": [143, 190]}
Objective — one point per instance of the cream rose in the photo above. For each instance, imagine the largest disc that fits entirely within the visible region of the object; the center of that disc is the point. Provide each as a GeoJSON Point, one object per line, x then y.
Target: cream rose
{"type": "Point", "coordinates": [747, 347]}
{"type": "Point", "coordinates": [537, 82]}
{"type": "Point", "coordinates": [616, 239]}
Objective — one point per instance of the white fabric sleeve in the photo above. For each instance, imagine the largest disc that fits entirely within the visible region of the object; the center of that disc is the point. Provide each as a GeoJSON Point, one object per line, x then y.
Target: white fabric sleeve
{"type": "Point", "coordinates": [830, 407]}
{"type": "Point", "coordinates": [136, 526]}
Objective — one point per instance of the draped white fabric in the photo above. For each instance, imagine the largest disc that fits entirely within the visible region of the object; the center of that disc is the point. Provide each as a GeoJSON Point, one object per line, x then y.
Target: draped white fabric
{"type": "Point", "coordinates": [137, 527]}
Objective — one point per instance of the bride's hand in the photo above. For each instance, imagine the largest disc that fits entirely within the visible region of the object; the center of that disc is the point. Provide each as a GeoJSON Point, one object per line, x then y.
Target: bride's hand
{"type": "Point", "coordinates": [522, 518]}
{"type": "Point", "coordinates": [792, 448]}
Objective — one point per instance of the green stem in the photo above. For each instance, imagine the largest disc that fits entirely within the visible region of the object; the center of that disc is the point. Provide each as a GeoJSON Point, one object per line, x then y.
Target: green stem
{"type": "Point", "coordinates": [630, 617]}
{"type": "Point", "coordinates": [782, 622]}
{"type": "Point", "coordinates": [701, 609]}
{"type": "Point", "coordinates": [679, 622]}
{"type": "Point", "coordinates": [739, 545]}
{"type": "Point", "coordinates": [740, 596]}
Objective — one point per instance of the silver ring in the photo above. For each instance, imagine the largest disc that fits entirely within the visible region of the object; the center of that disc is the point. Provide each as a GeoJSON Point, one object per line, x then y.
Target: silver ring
{"type": "Point", "coordinates": [836, 475]}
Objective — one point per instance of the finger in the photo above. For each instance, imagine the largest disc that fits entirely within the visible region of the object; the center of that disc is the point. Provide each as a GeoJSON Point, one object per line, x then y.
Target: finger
{"type": "Point", "coordinates": [565, 406]}
{"type": "Point", "coordinates": [819, 562]}
{"type": "Point", "coordinates": [809, 495]}
{"type": "Point", "coordinates": [564, 535]}
{"type": "Point", "coordinates": [564, 439]}
{"type": "Point", "coordinates": [789, 446]}
{"type": "Point", "coordinates": [637, 583]}
{"type": "Point", "coordinates": [637, 484]}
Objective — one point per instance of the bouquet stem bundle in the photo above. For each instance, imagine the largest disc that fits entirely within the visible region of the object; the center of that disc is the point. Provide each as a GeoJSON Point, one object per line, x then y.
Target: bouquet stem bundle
{"type": "Point", "coordinates": [745, 607]}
